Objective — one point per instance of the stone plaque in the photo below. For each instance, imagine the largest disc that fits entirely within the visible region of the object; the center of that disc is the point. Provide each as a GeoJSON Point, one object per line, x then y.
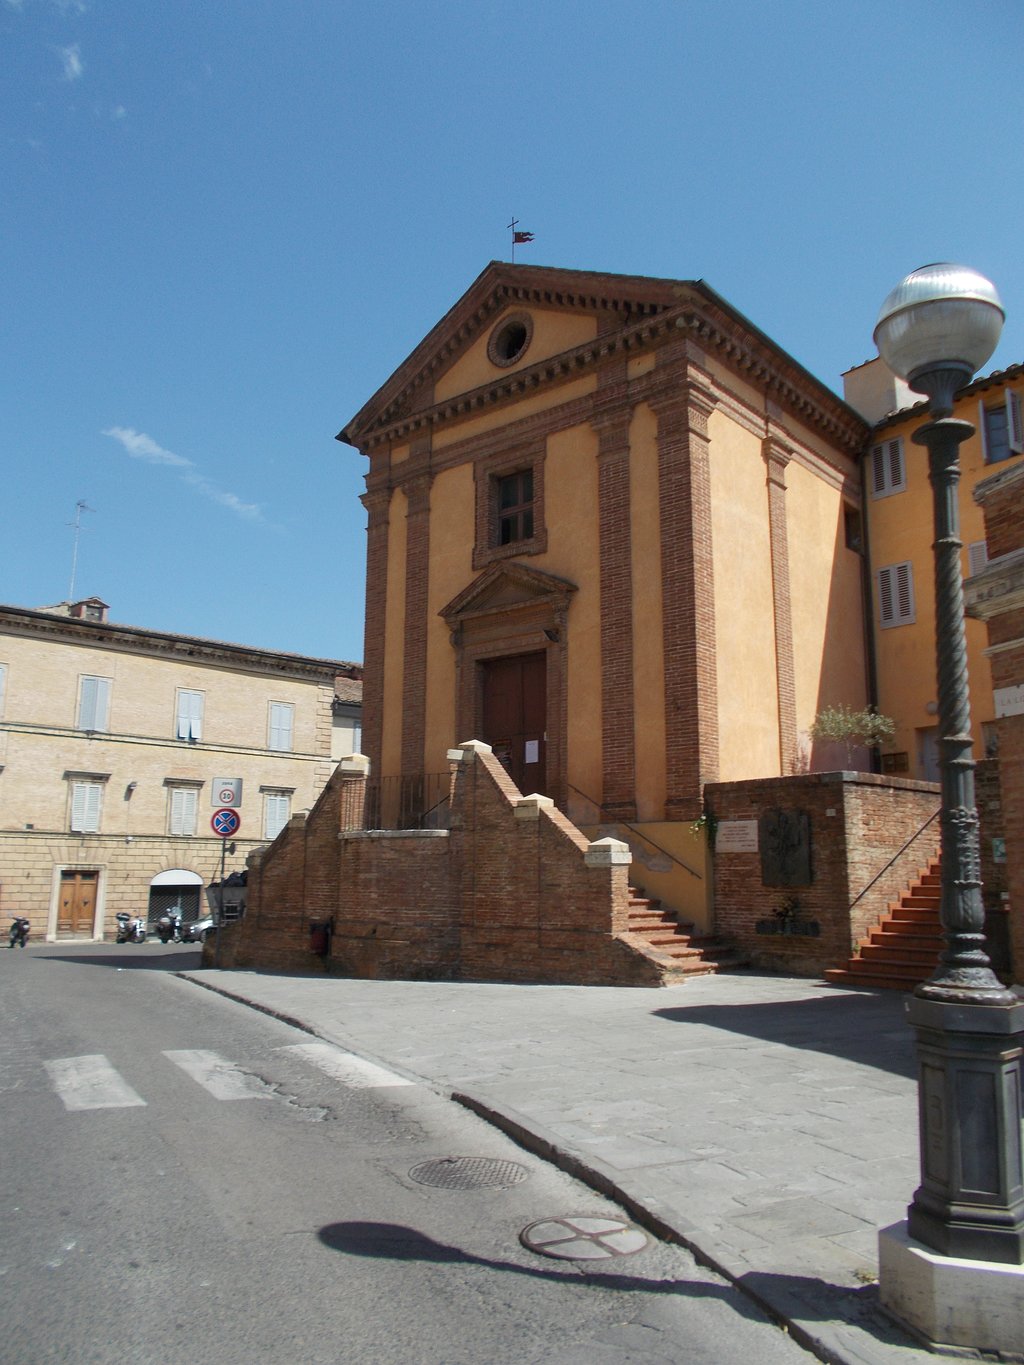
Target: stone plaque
{"type": "Point", "coordinates": [1009, 701]}
{"type": "Point", "coordinates": [736, 836]}
{"type": "Point", "coordinates": [785, 839]}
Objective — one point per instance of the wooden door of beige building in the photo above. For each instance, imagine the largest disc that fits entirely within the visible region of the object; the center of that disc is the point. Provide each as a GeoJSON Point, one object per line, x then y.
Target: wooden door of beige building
{"type": "Point", "coordinates": [76, 910]}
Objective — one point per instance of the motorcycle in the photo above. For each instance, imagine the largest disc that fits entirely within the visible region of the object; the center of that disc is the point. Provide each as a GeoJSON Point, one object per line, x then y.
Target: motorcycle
{"type": "Point", "coordinates": [169, 928]}
{"type": "Point", "coordinates": [130, 928]}
{"type": "Point", "coordinates": [19, 932]}
{"type": "Point", "coordinates": [198, 931]}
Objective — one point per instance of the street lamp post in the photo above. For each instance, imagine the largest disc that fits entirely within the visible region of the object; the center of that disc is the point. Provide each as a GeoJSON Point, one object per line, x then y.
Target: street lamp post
{"type": "Point", "coordinates": [936, 329]}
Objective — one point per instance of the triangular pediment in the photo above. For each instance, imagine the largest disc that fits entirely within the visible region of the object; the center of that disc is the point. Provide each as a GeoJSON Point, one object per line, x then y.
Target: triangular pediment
{"type": "Point", "coordinates": [503, 587]}
{"type": "Point", "coordinates": [602, 302]}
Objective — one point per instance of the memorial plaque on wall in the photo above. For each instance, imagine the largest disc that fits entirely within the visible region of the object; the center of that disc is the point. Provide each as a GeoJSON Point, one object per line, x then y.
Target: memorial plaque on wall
{"type": "Point", "coordinates": [785, 839]}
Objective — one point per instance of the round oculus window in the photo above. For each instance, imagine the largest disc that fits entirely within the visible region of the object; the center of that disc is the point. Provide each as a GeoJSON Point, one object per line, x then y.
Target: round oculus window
{"type": "Point", "coordinates": [510, 339]}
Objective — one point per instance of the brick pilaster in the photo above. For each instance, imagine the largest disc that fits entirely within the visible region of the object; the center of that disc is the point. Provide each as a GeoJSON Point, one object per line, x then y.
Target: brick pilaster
{"type": "Point", "coordinates": [611, 422]}
{"type": "Point", "coordinates": [377, 502]}
{"type": "Point", "coordinates": [416, 486]}
{"type": "Point", "coordinates": [683, 406]}
{"type": "Point", "coordinates": [776, 458]}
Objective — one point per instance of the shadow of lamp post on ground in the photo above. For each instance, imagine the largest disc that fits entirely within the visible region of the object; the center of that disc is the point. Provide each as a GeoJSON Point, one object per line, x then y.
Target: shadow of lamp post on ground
{"type": "Point", "coordinates": [953, 1271]}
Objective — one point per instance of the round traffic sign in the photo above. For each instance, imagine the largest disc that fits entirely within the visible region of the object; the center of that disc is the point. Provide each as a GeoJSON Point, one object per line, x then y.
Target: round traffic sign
{"type": "Point", "coordinates": [225, 822]}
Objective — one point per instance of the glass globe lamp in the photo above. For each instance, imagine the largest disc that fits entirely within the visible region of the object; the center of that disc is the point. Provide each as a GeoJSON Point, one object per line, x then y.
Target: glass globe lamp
{"type": "Point", "coordinates": [937, 328]}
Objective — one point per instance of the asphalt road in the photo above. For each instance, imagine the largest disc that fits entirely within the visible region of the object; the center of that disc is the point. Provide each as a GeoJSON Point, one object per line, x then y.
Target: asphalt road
{"type": "Point", "coordinates": [186, 1180]}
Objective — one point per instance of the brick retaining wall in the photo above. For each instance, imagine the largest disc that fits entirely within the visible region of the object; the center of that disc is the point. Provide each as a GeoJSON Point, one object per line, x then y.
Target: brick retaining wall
{"type": "Point", "coordinates": [859, 824]}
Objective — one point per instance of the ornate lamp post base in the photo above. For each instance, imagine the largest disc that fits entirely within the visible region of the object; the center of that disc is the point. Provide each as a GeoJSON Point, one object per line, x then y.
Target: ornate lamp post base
{"type": "Point", "coordinates": [970, 1202]}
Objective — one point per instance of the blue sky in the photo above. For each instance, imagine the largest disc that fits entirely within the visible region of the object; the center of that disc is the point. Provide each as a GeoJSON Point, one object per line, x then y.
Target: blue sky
{"type": "Point", "coordinates": [225, 222]}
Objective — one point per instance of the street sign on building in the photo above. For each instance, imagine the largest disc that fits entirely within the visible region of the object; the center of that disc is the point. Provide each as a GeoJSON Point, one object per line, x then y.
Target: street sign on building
{"type": "Point", "coordinates": [226, 791]}
{"type": "Point", "coordinates": [225, 822]}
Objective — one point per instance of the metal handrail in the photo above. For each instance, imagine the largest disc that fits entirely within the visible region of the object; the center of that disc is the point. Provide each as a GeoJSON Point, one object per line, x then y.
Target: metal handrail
{"type": "Point", "coordinates": [616, 820]}
{"type": "Point", "coordinates": [931, 819]}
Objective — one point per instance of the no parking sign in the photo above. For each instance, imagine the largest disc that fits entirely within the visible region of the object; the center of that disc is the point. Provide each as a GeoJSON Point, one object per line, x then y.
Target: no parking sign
{"type": "Point", "coordinates": [225, 823]}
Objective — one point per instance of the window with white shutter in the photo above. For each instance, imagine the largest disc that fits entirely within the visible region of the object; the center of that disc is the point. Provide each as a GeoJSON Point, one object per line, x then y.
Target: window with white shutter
{"type": "Point", "coordinates": [896, 595]}
{"type": "Point", "coordinates": [183, 806]}
{"type": "Point", "coordinates": [1001, 427]}
{"type": "Point", "coordinates": [86, 804]}
{"type": "Point", "coordinates": [189, 714]}
{"type": "Point", "coordinates": [282, 715]}
{"type": "Point", "coordinates": [977, 557]}
{"type": "Point", "coordinates": [276, 812]}
{"type": "Point", "coordinates": [93, 703]}
{"type": "Point", "coordinates": [888, 474]}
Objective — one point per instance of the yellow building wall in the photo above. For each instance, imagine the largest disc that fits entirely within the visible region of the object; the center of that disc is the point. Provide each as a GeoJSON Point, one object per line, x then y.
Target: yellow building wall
{"type": "Point", "coordinates": [553, 333]}
{"type": "Point", "coordinates": [900, 529]}
{"type": "Point", "coordinates": [648, 639]}
{"type": "Point", "coordinates": [452, 515]}
{"type": "Point", "coordinates": [571, 505]}
{"type": "Point", "coordinates": [394, 635]}
{"type": "Point", "coordinates": [137, 760]}
{"type": "Point", "coordinates": [744, 612]}
{"type": "Point", "coordinates": [828, 631]}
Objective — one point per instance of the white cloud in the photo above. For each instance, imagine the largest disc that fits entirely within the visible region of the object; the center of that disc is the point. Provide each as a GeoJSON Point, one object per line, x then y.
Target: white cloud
{"type": "Point", "coordinates": [72, 58]}
{"type": "Point", "coordinates": [142, 447]}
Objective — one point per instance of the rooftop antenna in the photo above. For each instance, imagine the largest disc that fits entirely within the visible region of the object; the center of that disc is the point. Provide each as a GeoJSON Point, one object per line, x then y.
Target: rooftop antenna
{"type": "Point", "coordinates": [80, 506]}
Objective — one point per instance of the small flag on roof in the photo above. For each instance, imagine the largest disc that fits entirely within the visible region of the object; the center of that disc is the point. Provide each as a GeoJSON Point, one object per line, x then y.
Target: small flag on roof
{"type": "Point", "coordinates": [518, 238]}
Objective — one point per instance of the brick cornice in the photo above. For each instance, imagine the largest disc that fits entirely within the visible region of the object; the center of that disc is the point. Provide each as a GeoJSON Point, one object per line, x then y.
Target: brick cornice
{"type": "Point", "coordinates": [653, 313]}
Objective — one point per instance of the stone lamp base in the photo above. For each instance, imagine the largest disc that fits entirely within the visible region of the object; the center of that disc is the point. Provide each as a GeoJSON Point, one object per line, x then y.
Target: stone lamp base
{"type": "Point", "coordinates": [949, 1301]}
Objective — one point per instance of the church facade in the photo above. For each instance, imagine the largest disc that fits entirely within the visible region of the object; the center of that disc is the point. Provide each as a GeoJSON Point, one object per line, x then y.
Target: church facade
{"type": "Point", "coordinates": [614, 533]}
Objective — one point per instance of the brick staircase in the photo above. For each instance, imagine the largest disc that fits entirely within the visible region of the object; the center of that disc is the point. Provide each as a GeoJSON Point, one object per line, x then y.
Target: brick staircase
{"type": "Point", "coordinates": [677, 948]}
{"type": "Point", "coordinates": [904, 946]}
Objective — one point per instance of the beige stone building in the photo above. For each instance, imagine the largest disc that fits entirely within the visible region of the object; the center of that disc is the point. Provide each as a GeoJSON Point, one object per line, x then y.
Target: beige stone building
{"type": "Point", "coordinates": [117, 746]}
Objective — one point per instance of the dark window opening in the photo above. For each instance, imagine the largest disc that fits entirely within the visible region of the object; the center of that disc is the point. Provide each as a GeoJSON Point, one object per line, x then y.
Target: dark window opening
{"type": "Point", "coordinates": [515, 507]}
{"type": "Point", "coordinates": [852, 527]}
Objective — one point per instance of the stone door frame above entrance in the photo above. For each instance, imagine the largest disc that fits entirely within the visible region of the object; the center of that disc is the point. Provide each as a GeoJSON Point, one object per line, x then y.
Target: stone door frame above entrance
{"type": "Point", "coordinates": [510, 609]}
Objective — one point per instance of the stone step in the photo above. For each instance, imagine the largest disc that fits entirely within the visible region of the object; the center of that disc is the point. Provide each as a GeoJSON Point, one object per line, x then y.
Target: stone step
{"type": "Point", "coordinates": [899, 954]}
{"type": "Point", "coordinates": [903, 948]}
{"type": "Point", "coordinates": [923, 943]}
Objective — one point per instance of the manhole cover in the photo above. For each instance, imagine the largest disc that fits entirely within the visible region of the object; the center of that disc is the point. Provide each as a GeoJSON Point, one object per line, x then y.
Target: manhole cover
{"type": "Point", "coordinates": [584, 1238]}
{"type": "Point", "coordinates": [468, 1173]}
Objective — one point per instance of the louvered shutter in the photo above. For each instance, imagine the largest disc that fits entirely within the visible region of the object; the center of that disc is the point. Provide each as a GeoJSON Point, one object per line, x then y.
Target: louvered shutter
{"type": "Point", "coordinates": [885, 604]}
{"type": "Point", "coordinates": [183, 810]}
{"type": "Point", "coordinates": [983, 429]}
{"type": "Point", "coordinates": [896, 594]}
{"type": "Point", "coordinates": [281, 726]}
{"type": "Point", "coordinates": [887, 471]}
{"type": "Point", "coordinates": [85, 807]}
{"type": "Point", "coordinates": [904, 593]}
{"type": "Point", "coordinates": [190, 715]}
{"type": "Point", "coordinates": [977, 556]}
{"type": "Point", "coordinates": [1014, 427]}
{"type": "Point", "coordinates": [275, 813]}
{"type": "Point", "coordinates": [94, 703]}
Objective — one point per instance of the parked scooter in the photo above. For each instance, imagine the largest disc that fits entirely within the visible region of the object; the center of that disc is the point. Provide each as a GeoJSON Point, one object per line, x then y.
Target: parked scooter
{"type": "Point", "coordinates": [19, 932]}
{"type": "Point", "coordinates": [198, 931]}
{"type": "Point", "coordinates": [169, 928]}
{"type": "Point", "coordinates": [130, 928]}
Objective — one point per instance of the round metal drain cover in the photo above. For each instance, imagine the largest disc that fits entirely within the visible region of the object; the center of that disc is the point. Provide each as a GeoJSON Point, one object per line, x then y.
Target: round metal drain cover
{"type": "Point", "coordinates": [469, 1173]}
{"type": "Point", "coordinates": [584, 1238]}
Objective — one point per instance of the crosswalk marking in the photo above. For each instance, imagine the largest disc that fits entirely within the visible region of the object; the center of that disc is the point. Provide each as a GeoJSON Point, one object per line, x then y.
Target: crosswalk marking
{"type": "Point", "coordinates": [221, 1078]}
{"type": "Point", "coordinates": [91, 1083]}
{"type": "Point", "coordinates": [343, 1066]}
